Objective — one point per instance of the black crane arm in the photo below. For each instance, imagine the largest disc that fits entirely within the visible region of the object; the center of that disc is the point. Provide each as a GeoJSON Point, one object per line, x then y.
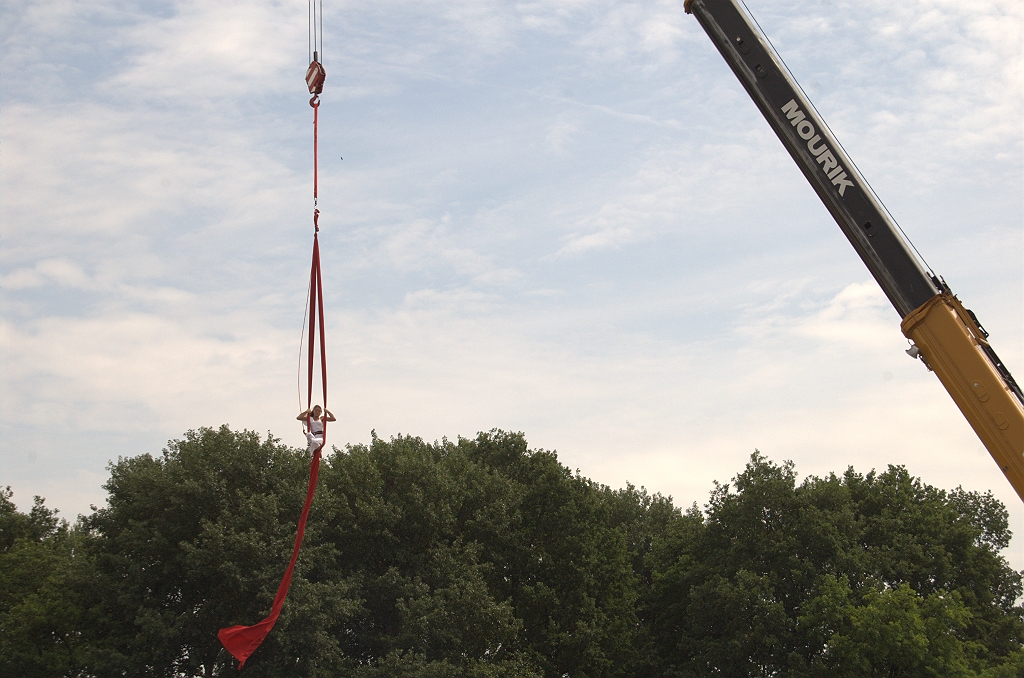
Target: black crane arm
{"type": "Point", "coordinates": [947, 337]}
{"type": "Point", "coordinates": [817, 153]}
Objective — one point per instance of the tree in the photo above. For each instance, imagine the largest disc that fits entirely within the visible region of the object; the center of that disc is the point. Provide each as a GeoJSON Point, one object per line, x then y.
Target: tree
{"type": "Point", "coordinates": [47, 594]}
{"type": "Point", "coordinates": [483, 549]}
{"type": "Point", "coordinates": [476, 558]}
{"type": "Point", "coordinates": [195, 540]}
{"type": "Point", "coordinates": [483, 558]}
{"type": "Point", "coordinates": [858, 575]}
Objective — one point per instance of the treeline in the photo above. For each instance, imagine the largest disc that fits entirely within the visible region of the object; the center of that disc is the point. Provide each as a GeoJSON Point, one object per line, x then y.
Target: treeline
{"type": "Point", "coordinates": [482, 558]}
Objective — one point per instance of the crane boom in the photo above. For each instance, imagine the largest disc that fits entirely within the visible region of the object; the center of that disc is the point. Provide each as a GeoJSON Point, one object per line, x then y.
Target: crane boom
{"type": "Point", "coordinates": [947, 337]}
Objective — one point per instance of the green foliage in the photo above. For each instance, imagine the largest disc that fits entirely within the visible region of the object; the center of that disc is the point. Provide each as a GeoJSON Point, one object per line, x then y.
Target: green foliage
{"type": "Point", "coordinates": [36, 525]}
{"type": "Point", "coordinates": [195, 540]}
{"type": "Point", "coordinates": [485, 559]}
{"type": "Point", "coordinates": [876, 575]}
{"type": "Point", "coordinates": [481, 551]}
{"type": "Point", "coordinates": [46, 593]}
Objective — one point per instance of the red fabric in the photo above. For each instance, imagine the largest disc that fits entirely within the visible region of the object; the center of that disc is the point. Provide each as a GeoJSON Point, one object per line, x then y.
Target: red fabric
{"type": "Point", "coordinates": [242, 641]}
{"type": "Point", "coordinates": [315, 103]}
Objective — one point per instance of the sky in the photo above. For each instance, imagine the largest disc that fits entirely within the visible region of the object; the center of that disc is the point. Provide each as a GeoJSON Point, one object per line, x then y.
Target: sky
{"type": "Point", "coordinates": [563, 218]}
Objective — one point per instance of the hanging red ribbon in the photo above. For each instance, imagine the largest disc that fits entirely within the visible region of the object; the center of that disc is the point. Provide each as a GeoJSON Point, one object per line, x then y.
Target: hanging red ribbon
{"type": "Point", "coordinates": [315, 103]}
{"type": "Point", "coordinates": [242, 641]}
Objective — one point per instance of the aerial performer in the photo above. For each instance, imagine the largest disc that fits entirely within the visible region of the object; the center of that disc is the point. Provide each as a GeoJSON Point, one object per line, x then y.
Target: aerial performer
{"type": "Point", "coordinates": [242, 641]}
{"type": "Point", "coordinates": [315, 425]}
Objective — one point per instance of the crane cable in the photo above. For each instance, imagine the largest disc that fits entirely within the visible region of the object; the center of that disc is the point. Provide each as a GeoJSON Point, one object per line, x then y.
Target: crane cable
{"type": "Point", "coordinates": [241, 641]}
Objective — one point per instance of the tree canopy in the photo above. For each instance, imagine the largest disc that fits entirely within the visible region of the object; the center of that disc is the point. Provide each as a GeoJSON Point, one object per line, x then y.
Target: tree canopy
{"type": "Point", "coordinates": [484, 558]}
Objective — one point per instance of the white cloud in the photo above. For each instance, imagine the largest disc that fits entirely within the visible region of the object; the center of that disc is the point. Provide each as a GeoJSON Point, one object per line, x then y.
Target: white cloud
{"type": "Point", "coordinates": [60, 271]}
{"type": "Point", "coordinates": [210, 53]}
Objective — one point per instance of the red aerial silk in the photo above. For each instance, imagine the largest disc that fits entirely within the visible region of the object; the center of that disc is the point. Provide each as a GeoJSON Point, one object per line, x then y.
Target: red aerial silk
{"type": "Point", "coordinates": [242, 641]}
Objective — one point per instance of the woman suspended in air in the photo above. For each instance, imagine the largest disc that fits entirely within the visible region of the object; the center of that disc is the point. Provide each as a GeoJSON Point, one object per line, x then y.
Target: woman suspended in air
{"type": "Point", "coordinates": [315, 432]}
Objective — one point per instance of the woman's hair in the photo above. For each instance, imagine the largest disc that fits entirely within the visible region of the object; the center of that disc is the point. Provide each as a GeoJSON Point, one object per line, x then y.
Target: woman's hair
{"type": "Point", "coordinates": [316, 408]}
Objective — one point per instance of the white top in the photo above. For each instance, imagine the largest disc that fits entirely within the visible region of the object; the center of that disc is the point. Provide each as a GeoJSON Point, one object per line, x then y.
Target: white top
{"type": "Point", "coordinates": [316, 427]}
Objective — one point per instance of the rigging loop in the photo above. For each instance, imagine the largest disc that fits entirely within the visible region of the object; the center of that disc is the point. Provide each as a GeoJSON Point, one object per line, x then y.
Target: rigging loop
{"type": "Point", "coordinates": [314, 101]}
{"type": "Point", "coordinates": [316, 221]}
